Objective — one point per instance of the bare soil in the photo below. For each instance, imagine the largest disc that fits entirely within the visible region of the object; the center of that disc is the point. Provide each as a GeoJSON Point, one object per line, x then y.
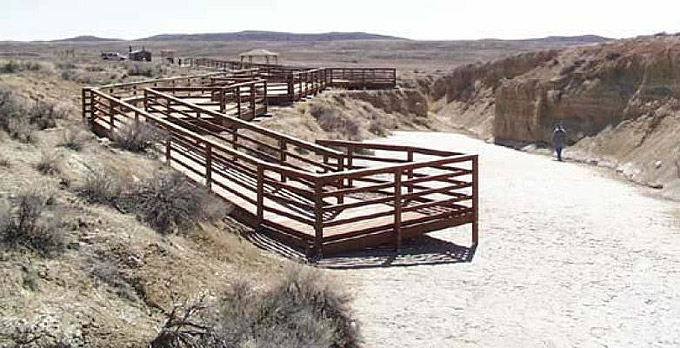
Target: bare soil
{"type": "Point", "coordinates": [569, 257]}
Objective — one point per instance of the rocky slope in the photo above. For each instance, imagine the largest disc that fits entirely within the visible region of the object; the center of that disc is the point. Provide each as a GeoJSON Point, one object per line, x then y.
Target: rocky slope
{"type": "Point", "coordinates": [619, 101]}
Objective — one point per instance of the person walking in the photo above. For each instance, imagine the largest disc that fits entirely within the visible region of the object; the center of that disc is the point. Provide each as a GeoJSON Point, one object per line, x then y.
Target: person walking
{"type": "Point", "coordinates": [559, 133]}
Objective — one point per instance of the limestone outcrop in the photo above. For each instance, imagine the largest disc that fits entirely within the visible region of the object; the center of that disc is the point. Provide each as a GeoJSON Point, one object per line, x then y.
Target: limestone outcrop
{"type": "Point", "coordinates": [620, 102]}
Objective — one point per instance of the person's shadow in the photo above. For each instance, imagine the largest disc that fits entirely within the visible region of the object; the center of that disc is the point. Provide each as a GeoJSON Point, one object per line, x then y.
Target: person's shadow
{"type": "Point", "coordinates": [422, 250]}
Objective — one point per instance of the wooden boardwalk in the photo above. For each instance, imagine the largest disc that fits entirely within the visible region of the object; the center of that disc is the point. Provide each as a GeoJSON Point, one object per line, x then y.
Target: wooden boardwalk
{"type": "Point", "coordinates": [324, 197]}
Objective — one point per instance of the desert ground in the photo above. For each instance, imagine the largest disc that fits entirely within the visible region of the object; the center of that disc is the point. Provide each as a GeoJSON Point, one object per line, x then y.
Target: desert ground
{"type": "Point", "coordinates": [568, 257]}
{"type": "Point", "coordinates": [570, 254]}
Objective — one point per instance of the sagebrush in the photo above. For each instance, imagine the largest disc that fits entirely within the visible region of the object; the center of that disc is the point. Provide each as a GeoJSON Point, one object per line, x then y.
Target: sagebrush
{"type": "Point", "coordinates": [303, 309]}
{"type": "Point", "coordinates": [137, 137]}
{"type": "Point", "coordinates": [29, 221]}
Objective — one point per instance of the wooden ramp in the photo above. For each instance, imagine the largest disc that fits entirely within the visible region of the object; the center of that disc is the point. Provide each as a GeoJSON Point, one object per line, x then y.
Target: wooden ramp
{"type": "Point", "coordinates": [323, 198]}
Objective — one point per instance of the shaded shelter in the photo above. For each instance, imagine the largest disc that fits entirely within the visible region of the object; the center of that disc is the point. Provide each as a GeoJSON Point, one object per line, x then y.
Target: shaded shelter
{"type": "Point", "coordinates": [259, 53]}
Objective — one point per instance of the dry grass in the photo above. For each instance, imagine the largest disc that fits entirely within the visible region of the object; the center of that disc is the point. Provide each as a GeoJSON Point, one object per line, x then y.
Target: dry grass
{"type": "Point", "coordinates": [20, 118]}
{"type": "Point", "coordinates": [30, 222]}
{"type": "Point", "coordinates": [50, 162]}
{"type": "Point", "coordinates": [14, 66]}
{"type": "Point", "coordinates": [169, 202]}
{"type": "Point", "coordinates": [303, 309]}
{"type": "Point", "coordinates": [101, 186]}
{"type": "Point", "coordinates": [72, 139]}
{"type": "Point", "coordinates": [137, 137]}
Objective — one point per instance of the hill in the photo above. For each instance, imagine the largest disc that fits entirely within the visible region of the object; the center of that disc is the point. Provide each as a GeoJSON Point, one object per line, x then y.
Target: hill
{"type": "Point", "coordinates": [619, 101]}
{"type": "Point", "coordinates": [86, 38]}
{"type": "Point", "coordinates": [582, 39]}
{"type": "Point", "coordinates": [269, 36]}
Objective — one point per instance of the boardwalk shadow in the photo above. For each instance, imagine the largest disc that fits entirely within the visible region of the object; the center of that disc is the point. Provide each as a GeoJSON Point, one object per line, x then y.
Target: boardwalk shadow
{"type": "Point", "coordinates": [423, 250]}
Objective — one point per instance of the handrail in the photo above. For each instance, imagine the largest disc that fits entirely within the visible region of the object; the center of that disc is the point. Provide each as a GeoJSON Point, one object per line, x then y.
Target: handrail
{"type": "Point", "coordinates": [388, 195]}
{"type": "Point", "coordinates": [247, 125]}
{"type": "Point", "coordinates": [387, 147]}
{"type": "Point", "coordinates": [166, 124]}
{"type": "Point", "coordinates": [354, 173]}
{"type": "Point", "coordinates": [164, 79]}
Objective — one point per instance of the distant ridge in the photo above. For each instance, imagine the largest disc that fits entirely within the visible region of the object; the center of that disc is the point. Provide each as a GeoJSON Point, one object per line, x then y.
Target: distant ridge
{"type": "Point", "coordinates": [575, 39]}
{"type": "Point", "coordinates": [252, 35]}
{"type": "Point", "coordinates": [579, 39]}
{"type": "Point", "coordinates": [86, 38]}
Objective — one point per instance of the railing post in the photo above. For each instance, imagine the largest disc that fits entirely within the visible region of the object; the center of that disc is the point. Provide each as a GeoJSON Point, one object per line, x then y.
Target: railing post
{"type": "Point", "coordinates": [318, 218]}
{"type": "Point", "coordinates": [350, 155]}
{"type": "Point", "coordinates": [341, 167]}
{"type": "Point", "coordinates": [253, 93]}
{"type": "Point", "coordinates": [266, 100]}
{"type": "Point", "coordinates": [475, 200]}
{"type": "Point", "coordinates": [234, 141]}
{"type": "Point", "coordinates": [260, 195]}
{"type": "Point", "coordinates": [146, 100]}
{"type": "Point", "coordinates": [397, 208]}
{"type": "Point", "coordinates": [282, 156]}
{"type": "Point", "coordinates": [409, 173]}
{"type": "Point", "coordinates": [238, 101]}
{"type": "Point", "coordinates": [301, 89]}
{"type": "Point", "coordinates": [112, 118]}
{"type": "Point", "coordinates": [168, 144]}
{"type": "Point", "coordinates": [208, 166]}
{"type": "Point", "coordinates": [223, 100]}
{"type": "Point", "coordinates": [291, 88]}
{"type": "Point", "coordinates": [84, 91]}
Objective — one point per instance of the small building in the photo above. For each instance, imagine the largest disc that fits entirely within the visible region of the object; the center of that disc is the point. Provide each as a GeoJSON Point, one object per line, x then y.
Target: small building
{"type": "Point", "coordinates": [139, 55]}
{"type": "Point", "coordinates": [168, 56]}
{"type": "Point", "coordinates": [258, 53]}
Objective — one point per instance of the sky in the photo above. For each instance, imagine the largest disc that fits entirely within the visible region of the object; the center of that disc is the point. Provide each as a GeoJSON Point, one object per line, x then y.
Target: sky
{"type": "Point", "coordinates": [26, 20]}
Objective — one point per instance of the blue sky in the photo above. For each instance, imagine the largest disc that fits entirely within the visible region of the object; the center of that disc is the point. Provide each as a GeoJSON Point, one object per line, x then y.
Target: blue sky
{"type": "Point", "coordinates": [416, 19]}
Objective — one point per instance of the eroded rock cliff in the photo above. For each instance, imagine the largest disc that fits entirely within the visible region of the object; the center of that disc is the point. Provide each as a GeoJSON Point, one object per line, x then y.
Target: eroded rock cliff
{"type": "Point", "coordinates": [620, 102]}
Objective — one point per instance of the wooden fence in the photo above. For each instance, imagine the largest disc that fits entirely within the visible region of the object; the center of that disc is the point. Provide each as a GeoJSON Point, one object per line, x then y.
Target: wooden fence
{"type": "Point", "coordinates": [321, 199]}
{"type": "Point", "coordinates": [354, 78]}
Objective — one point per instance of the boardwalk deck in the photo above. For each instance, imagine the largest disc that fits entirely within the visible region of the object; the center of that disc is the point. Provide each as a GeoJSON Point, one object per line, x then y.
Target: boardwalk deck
{"type": "Point", "coordinates": [337, 198]}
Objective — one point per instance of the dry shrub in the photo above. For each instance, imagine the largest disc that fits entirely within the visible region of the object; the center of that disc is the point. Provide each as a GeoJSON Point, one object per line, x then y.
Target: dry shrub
{"type": "Point", "coordinates": [304, 309]}
{"type": "Point", "coordinates": [13, 66]}
{"type": "Point", "coordinates": [45, 332]}
{"type": "Point", "coordinates": [187, 327]}
{"type": "Point", "coordinates": [20, 118]}
{"type": "Point", "coordinates": [50, 162]}
{"type": "Point", "coordinates": [20, 129]}
{"type": "Point", "coordinates": [44, 114]}
{"type": "Point", "coordinates": [332, 120]}
{"type": "Point", "coordinates": [11, 107]}
{"type": "Point", "coordinates": [72, 139]}
{"type": "Point", "coordinates": [144, 69]}
{"type": "Point", "coordinates": [9, 67]}
{"type": "Point", "coordinates": [5, 162]}
{"type": "Point", "coordinates": [102, 186]}
{"type": "Point", "coordinates": [107, 272]}
{"type": "Point", "coordinates": [168, 202]}
{"type": "Point", "coordinates": [137, 137]}
{"type": "Point", "coordinates": [31, 223]}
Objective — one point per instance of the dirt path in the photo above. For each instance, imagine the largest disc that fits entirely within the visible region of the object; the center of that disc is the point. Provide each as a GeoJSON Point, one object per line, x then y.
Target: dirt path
{"type": "Point", "coordinates": [568, 258]}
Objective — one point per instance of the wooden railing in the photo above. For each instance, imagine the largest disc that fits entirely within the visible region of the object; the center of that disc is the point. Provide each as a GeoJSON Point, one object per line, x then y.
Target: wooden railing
{"type": "Point", "coordinates": [134, 89]}
{"type": "Point", "coordinates": [250, 138]}
{"type": "Point", "coordinates": [333, 77]}
{"type": "Point", "coordinates": [213, 63]}
{"type": "Point", "coordinates": [411, 180]}
{"type": "Point", "coordinates": [363, 77]}
{"type": "Point", "coordinates": [325, 197]}
{"type": "Point", "coordinates": [244, 100]}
